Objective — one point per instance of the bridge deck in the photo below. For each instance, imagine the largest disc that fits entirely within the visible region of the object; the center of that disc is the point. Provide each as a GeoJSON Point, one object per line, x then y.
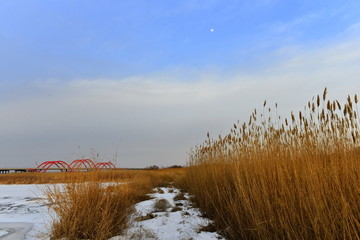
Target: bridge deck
{"type": "Point", "coordinates": [16, 170]}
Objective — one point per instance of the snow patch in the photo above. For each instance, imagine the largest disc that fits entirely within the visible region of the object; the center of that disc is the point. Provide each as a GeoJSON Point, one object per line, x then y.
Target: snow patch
{"type": "Point", "coordinates": [179, 221]}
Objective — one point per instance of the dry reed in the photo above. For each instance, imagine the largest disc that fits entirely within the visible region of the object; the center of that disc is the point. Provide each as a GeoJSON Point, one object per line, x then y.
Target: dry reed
{"type": "Point", "coordinates": [70, 177]}
{"type": "Point", "coordinates": [292, 178]}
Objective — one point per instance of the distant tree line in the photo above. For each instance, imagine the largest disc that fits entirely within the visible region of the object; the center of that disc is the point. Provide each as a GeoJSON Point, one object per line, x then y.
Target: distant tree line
{"type": "Point", "coordinates": [156, 167]}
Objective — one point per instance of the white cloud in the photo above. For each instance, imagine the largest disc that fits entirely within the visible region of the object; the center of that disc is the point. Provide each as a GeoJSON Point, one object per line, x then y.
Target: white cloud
{"type": "Point", "coordinates": [153, 120]}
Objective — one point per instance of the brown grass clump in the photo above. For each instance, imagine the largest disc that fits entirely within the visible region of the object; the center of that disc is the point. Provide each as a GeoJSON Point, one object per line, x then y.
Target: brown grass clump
{"type": "Point", "coordinates": [94, 210]}
{"type": "Point", "coordinates": [292, 178]}
{"type": "Point", "coordinates": [161, 205]}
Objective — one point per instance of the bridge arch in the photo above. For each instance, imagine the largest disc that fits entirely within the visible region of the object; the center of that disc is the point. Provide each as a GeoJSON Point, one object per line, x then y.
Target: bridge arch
{"type": "Point", "coordinates": [105, 165]}
{"type": "Point", "coordinates": [82, 164]}
{"type": "Point", "coordinates": [45, 166]}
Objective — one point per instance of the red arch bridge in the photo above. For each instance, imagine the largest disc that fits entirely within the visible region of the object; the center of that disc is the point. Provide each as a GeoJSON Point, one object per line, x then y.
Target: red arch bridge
{"type": "Point", "coordinates": [75, 166]}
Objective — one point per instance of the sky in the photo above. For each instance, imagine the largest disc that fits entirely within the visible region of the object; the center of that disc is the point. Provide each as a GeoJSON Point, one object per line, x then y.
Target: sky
{"type": "Point", "coordinates": [141, 82]}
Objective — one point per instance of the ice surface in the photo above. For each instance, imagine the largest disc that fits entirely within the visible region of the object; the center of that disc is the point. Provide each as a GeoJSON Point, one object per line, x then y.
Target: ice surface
{"type": "Point", "coordinates": [23, 211]}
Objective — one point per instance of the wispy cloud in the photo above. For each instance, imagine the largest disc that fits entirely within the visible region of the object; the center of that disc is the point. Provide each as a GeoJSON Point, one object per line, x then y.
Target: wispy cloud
{"type": "Point", "coordinates": [281, 27]}
{"type": "Point", "coordinates": [353, 30]}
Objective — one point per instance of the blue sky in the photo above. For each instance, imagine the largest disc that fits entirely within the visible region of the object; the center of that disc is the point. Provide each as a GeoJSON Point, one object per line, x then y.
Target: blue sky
{"type": "Point", "coordinates": [148, 79]}
{"type": "Point", "coordinates": [116, 39]}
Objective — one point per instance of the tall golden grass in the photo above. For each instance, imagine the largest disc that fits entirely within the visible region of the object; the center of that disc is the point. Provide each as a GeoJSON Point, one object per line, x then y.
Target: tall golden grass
{"type": "Point", "coordinates": [41, 178]}
{"type": "Point", "coordinates": [70, 177]}
{"type": "Point", "coordinates": [92, 209]}
{"type": "Point", "coordinates": [275, 178]}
